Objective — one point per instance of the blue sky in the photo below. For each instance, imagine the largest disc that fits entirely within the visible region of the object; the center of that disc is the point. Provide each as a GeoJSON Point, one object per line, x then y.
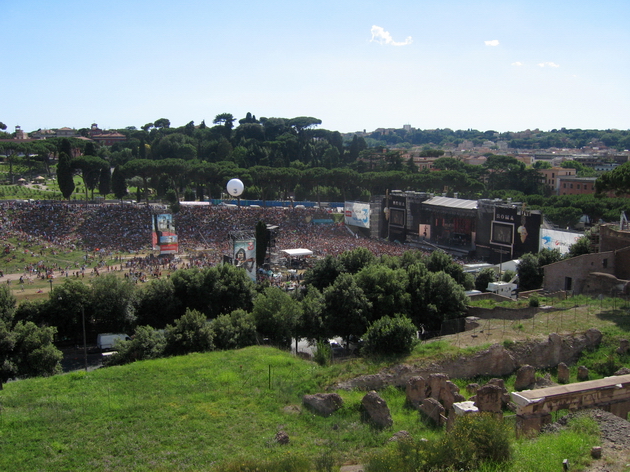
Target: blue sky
{"type": "Point", "coordinates": [501, 65]}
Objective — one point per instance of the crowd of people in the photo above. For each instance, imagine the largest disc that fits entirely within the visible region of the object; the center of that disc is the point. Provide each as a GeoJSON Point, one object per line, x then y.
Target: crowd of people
{"type": "Point", "coordinates": [203, 232]}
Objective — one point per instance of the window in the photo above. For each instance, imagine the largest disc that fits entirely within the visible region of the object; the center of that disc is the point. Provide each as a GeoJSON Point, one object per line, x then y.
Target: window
{"type": "Point", "coordinates": [568, 283]}
{"type": "Point", "coordinates": [605, 263]}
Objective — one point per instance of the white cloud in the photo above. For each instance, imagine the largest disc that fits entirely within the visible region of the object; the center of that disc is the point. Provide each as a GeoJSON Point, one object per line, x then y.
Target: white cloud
{"type": "Point", "coordinates": [517, 63]}
{"type": "Point", "coordinates": [379, 35]}
{"type": "Point", "coordinates": [548, 64]}
{"type": "Point", "coordinates": [494, 42]}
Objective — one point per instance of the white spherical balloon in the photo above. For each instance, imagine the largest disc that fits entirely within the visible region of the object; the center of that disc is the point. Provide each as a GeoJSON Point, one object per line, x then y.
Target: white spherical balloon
{"type": "Point", "coordinates": [235, 187]}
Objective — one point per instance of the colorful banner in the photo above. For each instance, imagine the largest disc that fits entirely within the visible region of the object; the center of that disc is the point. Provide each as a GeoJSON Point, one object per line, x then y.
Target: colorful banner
{"type": "Point", "coordinates": [357, 214]}
{"type": "Point", "coordinates": [562, 240]}
{"type": "Point", "coordinates": [164, 236]}
{"type": "Point", "coordinates": [245, 256]}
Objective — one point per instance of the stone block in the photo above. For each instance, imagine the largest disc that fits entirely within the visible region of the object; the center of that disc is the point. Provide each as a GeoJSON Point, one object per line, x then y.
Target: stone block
{"type": "Point", "coordinates": [563, 373]}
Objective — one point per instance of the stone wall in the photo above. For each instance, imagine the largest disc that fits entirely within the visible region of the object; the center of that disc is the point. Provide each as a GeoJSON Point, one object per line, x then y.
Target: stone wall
{"type": "Point", "coordinates": [611, 239]}
{"type": "Point", "coordinates": [577, 269]}
{"type": "Point", "coordinates": [501, 313]}
{"type": "Point", "coordinates": [496, 361]}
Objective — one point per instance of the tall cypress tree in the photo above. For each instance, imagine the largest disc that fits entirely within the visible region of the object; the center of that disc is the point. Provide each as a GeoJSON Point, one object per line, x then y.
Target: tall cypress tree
{"type": "Point", "coordinates": [65, 175]}
{"type": "Point", "coordinates": [105, 181]}
{"type": "Point", "coordinates": [119, 185]}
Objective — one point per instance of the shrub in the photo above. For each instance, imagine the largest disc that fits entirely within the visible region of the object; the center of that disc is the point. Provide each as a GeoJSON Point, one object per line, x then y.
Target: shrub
{"type": "Point", "coordinates": [323, 353]}
{"type": "Point", "coordinates": [390, 336]}
{"type": "Point", "coordinates": [473, 440]}
{"type": "Point", "coordinates": [234, 330]}
{"type": "Point", "coordinates": [191, 333]}
{"type": "Point", "coordinates": [534, 301]}
{"type": "Point", "coordinates": [147, 343]}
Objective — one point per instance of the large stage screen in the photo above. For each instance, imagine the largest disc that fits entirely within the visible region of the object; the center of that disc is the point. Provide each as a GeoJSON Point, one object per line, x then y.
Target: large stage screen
{"type": "Point", "coordinates": [502, 233]}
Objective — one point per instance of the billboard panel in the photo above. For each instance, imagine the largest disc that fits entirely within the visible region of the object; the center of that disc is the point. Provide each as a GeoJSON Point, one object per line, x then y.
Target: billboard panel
{"type": "Point", "coordinates": [527, 237]}
{"type": "Point", "coordinates": [357, 214]}
{"type": "Point", "coordinates": [562, 240]}
{"type": "Point", "coordinates": [164, 235]}
{"type": "Point", "coordinates": [245, 256]}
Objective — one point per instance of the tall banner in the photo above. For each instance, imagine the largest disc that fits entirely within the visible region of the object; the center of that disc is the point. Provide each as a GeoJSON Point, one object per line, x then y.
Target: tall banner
{"type": "Point", "coordinates": [245, 256]}
{"type": "Point", "coordinates": [164, 235]}
{"type": "Point", "coordinates": [357, 214]}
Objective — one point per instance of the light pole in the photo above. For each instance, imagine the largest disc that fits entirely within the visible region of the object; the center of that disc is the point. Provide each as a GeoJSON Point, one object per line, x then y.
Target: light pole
{"type": "Point", "coordinates": [84, 338]}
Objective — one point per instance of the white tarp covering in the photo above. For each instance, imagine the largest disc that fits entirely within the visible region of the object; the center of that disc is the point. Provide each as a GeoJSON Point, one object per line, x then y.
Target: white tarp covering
{"type": "Point", "coordinates": [357, 214]}
{"type": "Point", "coordinates": [297, 252]}
{"type": "Point", "coordinates": [554, 239]}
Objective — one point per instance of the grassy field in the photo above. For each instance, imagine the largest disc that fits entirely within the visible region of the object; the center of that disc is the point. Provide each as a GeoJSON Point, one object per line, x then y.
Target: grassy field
{"type": "Point", "coordinates": [222, 410]}
{"type": "Point", "coordinates": [209, 411]}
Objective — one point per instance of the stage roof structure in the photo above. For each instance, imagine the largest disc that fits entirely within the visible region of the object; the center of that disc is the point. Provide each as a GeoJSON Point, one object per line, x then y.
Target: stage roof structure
{"type": "Point", "coordinates": [458, 203]}
{"type": "Point", "coordinates": [297, 252]}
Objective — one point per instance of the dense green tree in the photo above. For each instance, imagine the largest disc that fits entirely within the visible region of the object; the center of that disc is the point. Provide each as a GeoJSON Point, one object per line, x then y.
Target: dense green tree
{"type": "Point", "coordinates": [324, 272]}
{"type": "Point", "coordinates": [175, 146]}
{"type": "Point", "coordinates": [112, 304]}
{"type": "Point", "coordinates": [234, 330]}
{"type": "Point", "coordinates": [484, 277]}
{"type": "Point", "coordinates": [90, 167]}
{"type": "Point", "coordinates": [390, 335]}
{"type": "Point", "coordinates": [146, 343]}
{"type": "Point", "coordinates": [190, 333]}
{"type": "Point", "coordinates": [143, 168]}
{"type": "Point", "coordinates": [65, 308]}
{"type": "Point", "coordinates": [228, 288]}
{"type": "Point", "coordinates": [157, 305]}
{"type": "Point", "coordinates": [549, 256]}
{"type": "Point", "coordinates": [355, 260]}
{"type": "Point", "coordinates": [160, 123]}
{"type": "Point", "coordinates": [346, 308]}
{"type": "Point", "coordinates": [580, 247]}
{"type": "Point", "coordinates": [445, 298]}
{"type": "Point", "coordinates": [26, 350]}
{"type": "Point", "coordinates": [530, 276]}
{"type": "Point", "coordinates": [190, 291]}
{"type": "Point", "coordinates": [617, 181]}
{"type": "Point", "coordinates": [276, 314]}
{"type": "Point", "coordinates": [385, 289]}
{"type": "Point", "coordinates": [441, 261]}
{"type": "Point", "coordinates": [310, 325]}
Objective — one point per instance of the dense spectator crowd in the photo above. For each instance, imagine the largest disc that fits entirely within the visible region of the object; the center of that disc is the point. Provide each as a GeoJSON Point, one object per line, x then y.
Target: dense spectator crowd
{"type": "Point", "coordinates": [203, 231]}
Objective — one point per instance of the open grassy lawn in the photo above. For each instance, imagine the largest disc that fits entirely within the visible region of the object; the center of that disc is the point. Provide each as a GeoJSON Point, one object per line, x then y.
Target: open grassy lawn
{"type": "Point", "coordinates": [212, 411]}
{"type": "Point", "coordinates": [184, 413]}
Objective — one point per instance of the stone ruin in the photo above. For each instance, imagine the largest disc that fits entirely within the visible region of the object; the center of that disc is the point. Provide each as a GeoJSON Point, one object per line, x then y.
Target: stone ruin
{"type": "Point", "coordinates": [376, 411]}
{"type": "Point", "coordinates": [434, 396]}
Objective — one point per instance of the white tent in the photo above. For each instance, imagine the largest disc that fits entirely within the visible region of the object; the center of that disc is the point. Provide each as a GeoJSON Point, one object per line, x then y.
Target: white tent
{"type": "Point", "coordinates": [297, 252]}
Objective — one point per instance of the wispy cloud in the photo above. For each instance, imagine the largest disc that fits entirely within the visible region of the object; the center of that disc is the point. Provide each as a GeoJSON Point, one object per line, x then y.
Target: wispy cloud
{"type": "Point", "coordinates": [517, 64]}
{"type": "Point", "coordinates": [379, 35]}
{"type": "Point", "coordinates": [548, 64]}
{"type": "Point", "coordinates": [494, 42]}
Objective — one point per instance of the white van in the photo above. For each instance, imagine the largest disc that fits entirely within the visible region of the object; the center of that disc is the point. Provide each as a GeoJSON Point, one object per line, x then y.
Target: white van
{"type": "Point", "coordinates": [106, 341]}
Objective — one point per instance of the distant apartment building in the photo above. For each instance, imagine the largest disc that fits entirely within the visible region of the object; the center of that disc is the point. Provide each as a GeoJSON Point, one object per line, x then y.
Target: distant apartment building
{"type": "Point", "coordinates": [576, 185]}
{"type": "Point", "coordinates": [105, 138]}
{"type": "Point", "coordinates": [552, 177]}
